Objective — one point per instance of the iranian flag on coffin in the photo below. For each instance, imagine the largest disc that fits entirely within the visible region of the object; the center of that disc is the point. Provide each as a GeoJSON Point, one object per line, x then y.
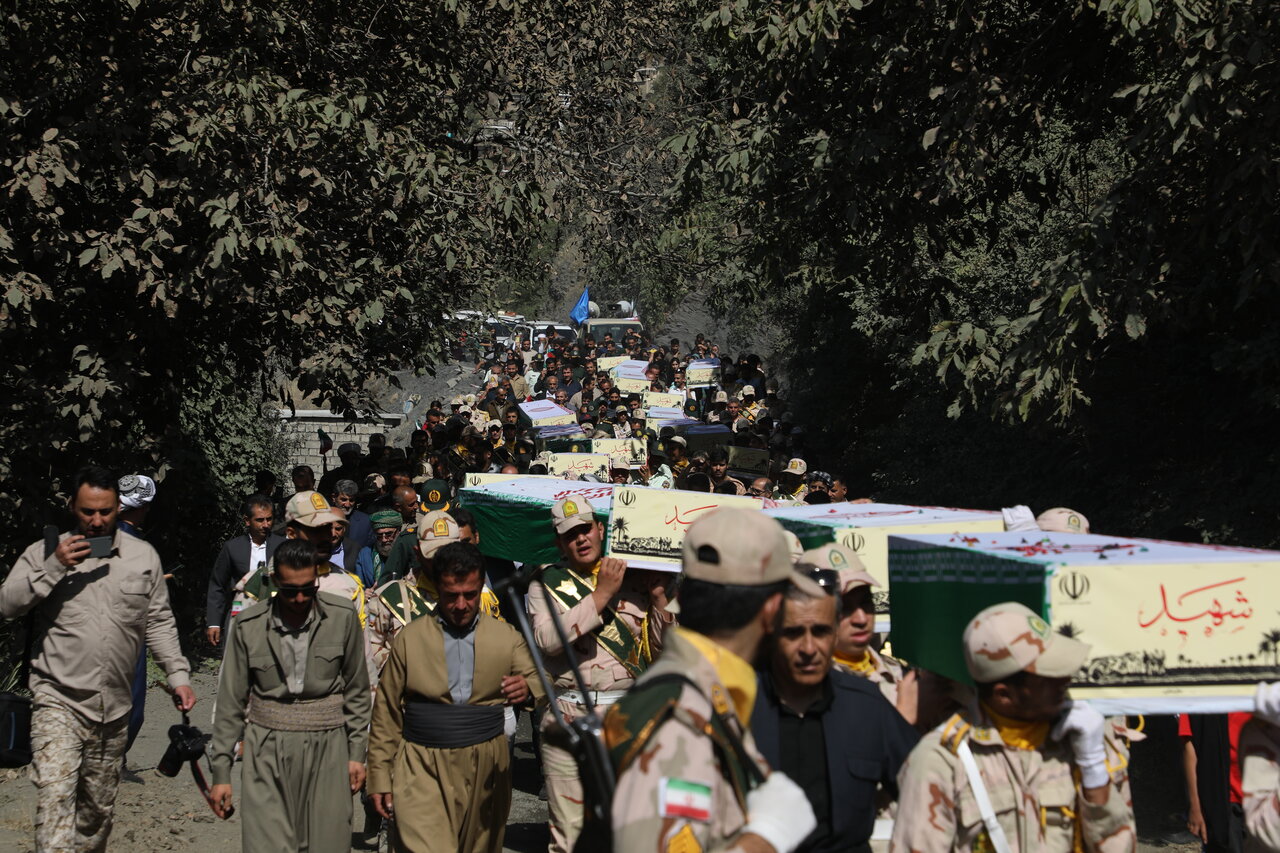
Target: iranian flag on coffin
{"type": "Point", "coordinates": [865, 529]}
{"type": "Point", "coordinates": [1172, 627]}
{"type": "Point", "coordinates": [514, 515]}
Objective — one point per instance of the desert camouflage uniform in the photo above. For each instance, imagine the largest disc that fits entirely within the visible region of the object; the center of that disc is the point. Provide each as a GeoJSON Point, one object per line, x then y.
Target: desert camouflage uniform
{"type": "Point", "coordinates": [1035, 794]}
{"type": "Point", "coordinates": [77, 776]}
{"type": "Point", "coordinates": [600, 670]}
{"type": "Point", "coordinates": [1260, 781]}
{"type": "Point", "coordinates": [678, 749]}
{"type": "Point", "coordinates": [887, 674]}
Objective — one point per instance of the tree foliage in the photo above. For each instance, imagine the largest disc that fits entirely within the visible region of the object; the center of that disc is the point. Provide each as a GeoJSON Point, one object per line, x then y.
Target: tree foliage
{"type": "Point", "coordinates": [1018, 190]}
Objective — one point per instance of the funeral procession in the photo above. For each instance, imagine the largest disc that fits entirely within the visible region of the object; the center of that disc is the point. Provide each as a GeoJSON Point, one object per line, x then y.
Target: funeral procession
{"type": "Point", "coordinates": [758, 426]}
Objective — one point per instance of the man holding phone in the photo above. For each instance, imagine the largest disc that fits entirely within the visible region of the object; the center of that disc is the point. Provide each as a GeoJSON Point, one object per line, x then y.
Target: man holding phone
{"type": "Point", "coordinates": [93, 601]}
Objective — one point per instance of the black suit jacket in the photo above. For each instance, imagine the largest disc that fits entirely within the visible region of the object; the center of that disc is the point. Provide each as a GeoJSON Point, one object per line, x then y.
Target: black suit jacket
{"type": "Point", "coordinates": [867, 742]}
{"type": "Point", "coordinates": [231, 565]}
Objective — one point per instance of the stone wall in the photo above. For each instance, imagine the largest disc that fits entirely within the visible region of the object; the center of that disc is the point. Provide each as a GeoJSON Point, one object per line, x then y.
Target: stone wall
{"type": "Point", "coordinates": [301, 429]}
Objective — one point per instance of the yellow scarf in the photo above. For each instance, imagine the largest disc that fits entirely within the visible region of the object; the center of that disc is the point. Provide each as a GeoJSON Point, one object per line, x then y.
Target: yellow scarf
{"type": "Point", "coordinates": [1018, 734]}
{"type": "Point", "coordinates": [866, 666]}
{"type": "Point", "coordinates": [734, 673]}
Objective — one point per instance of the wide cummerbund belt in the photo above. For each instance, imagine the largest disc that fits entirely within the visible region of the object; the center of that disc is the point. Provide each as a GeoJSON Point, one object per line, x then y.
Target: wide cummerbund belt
{"type": "Point", "coordinates": [297, 715]}
{"type": "Point", "coordinates": [440, 726]}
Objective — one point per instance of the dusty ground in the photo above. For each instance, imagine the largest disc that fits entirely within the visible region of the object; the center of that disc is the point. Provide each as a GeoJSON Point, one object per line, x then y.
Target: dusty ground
{"type": "Point", "coordinates": [154, 812]}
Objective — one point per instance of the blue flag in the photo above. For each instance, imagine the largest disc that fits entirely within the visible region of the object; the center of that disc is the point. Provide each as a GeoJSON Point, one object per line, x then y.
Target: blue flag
{"type": "Point", "coordinates": [580, 311]}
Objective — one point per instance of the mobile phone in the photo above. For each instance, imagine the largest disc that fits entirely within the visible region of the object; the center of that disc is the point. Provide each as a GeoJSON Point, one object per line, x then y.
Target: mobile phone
{"type": "Point", "coordinates": [100, 546]}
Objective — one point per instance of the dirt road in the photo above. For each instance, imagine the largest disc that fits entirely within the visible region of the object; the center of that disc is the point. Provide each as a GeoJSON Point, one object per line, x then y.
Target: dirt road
{"type": "Point", "coordinates": [154, 812]}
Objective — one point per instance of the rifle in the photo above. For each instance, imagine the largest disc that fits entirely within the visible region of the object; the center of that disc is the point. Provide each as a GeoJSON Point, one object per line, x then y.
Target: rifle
{"type": "Point", "coordinates": [583, 737]}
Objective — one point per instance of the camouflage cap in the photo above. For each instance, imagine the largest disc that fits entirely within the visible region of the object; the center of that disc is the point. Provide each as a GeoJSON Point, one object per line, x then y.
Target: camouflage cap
{"type": "Point", "coordinates": [570, 513]}
{"type": "Point", "coordinates": [741, 547]}
{"type": "Point", "coordinates": [435, 496]}
{"type": "Point", "coordinates": [1062, 520]}
{"type": "Point", "coordinates": [839, 559]}
{"type": "Point", "coordinates": [310, 509]}
{"type": "Point", "coordinates": [796, 466]}
{"type": "Point", "coordinates": [1009, 638]}
{"type": "Point", "coordinates": [435, 530]}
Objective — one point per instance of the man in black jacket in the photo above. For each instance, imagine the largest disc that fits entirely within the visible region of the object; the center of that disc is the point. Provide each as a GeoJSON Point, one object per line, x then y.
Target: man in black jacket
{"type": "Point", "coordinates": [237, 557]}
{"type": "Point", "coordinates": [833, 733]}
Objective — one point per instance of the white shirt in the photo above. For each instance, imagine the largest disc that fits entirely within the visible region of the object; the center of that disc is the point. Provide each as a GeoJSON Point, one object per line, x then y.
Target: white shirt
{"type": "Point", "coordinates": [257, 555]}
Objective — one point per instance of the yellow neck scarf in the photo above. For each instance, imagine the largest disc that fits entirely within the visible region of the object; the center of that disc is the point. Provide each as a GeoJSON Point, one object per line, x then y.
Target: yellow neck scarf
{"type": "Point", "coordinates": [1018, 734]}
{"type": "Point", "coordinates": [865, 666]}
{"type": "Point", "coordinates": [734, 673]}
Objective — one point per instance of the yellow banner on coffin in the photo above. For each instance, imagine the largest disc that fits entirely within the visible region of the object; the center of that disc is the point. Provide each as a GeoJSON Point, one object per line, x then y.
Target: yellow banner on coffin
{"type": "Point", "coordinates": [1177, 623]}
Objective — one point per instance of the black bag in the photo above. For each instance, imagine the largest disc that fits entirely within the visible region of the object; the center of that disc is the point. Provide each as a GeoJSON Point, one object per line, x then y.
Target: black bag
{"type": "Point", "coordinates": [15, 709]}
{"type": "Point", "coordinates": [15, 730]}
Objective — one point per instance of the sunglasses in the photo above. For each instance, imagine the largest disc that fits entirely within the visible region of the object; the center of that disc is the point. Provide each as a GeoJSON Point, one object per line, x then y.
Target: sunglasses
{"type": "Point", "coordinates": [828, 579]}
{"type": "Point", "coordinates": [290, 590]}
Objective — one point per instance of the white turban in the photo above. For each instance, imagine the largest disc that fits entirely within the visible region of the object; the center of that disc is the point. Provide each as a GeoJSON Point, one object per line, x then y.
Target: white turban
{"type": "Point", "coordinates": [136, 490]}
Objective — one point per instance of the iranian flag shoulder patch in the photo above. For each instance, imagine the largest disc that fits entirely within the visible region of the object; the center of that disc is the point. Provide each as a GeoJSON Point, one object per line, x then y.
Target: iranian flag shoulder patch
{"type": "Point", "coordinates": [682, 798]}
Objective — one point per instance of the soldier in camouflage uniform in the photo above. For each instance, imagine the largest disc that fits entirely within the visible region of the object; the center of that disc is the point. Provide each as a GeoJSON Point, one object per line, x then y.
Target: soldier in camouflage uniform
{"type": "Point", "coordinates": [689, 775]}
{"type": "Point", "coordinates": [1025, 769]}
{"type": "Point", "coordinates": [615, 618]}
{"type": "Point", "coordinates": [854, 653]}
{"type": "Point", "coordinates": [1260, 772]}
{"type": "Point", "coordinates": [308, 516]}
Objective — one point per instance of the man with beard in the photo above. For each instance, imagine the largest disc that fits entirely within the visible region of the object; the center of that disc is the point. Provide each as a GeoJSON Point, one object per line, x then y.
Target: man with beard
{"type": "Point", "coordinates": [369, 565]}
{"type": "Point", "coordinates": [438, 758]}
{"type": "Point", "coordinates": [89, 618]}
{"type": "Point", "coordinates": [295, 687]}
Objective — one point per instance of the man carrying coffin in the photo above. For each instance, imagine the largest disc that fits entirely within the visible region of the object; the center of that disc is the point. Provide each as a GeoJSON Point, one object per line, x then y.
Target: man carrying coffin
{"type": "Point", "coordinates": [438, 757]}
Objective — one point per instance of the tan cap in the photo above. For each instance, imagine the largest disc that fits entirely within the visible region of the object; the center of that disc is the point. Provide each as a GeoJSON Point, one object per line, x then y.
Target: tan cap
{"type": "Point", "coordinates": [843, 562]}
{"type": "Point", "coordinates": [619, 461]}
{"type": "Point", "coordinates": [310, 509]}
{"type": "Point", "coordinates": [435, 530]}
{"type": "Point", "coordinates": [794, 546]}
{"type": "Point", "coordinates": [1008, 638]}
{"type": "Point", "coordinates": [721, 397]}
{"type": "Point", "coordinates": [741, 547]}
{"type": "Point", "coordinates": [678, 439]}
{"type": "Point", "coordinates": [570, 513]}
{"type": "Point", "coordinates": [1062, 520]}
{"type": "Point", "coordinates": [796, 466]}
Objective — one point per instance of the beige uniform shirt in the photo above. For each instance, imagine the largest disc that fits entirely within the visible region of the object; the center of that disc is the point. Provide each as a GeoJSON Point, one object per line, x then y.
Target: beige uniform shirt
{"type": "Point", "coordinates": [886, 673]}
{"type": "Point", "coordinates": [90, 622]}
{"type": "Point", "coordinates": [600, 670]}
{"type": "Point", "coordinates": [1034, 794]}
{"type": "Point", "coordinates": [1260, 781]}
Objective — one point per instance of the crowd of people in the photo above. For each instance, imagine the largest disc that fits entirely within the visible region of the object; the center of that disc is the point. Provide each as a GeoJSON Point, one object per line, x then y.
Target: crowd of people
{"type": "Point", "coordinates": [369, 648]}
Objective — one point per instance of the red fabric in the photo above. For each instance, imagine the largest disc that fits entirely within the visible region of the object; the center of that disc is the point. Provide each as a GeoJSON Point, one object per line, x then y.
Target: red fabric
{"type": "Point", "coordinates": [1235, 722]}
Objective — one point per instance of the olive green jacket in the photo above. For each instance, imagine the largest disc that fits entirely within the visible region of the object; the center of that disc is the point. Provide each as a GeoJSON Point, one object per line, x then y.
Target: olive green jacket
{"type": "Point", "coordinates": [252, 668]}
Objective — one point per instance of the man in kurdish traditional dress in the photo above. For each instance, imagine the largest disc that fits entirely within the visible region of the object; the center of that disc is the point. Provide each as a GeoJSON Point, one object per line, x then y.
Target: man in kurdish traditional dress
{"type": "Point", "coordinates": [398, 602]}
{"type": "Point", "coordinates": [438, 757]}
{"type": "Point", "coordinates": [615, 619]}
{"type": "Point", "coordinates": [294, 685]}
